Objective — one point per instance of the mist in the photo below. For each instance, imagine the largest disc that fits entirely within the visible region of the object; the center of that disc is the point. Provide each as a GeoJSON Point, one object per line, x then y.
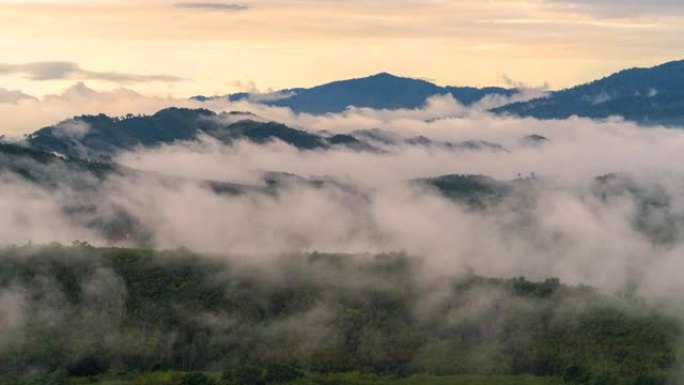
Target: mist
{"type": "Point", "coordinates": [369, 202]}
{"type": "Point", "coordinates": [346, 259]}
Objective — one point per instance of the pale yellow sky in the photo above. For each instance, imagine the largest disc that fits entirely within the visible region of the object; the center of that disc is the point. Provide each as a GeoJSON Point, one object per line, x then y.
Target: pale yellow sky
{"type": "Point", "coordinates": [217, 47]}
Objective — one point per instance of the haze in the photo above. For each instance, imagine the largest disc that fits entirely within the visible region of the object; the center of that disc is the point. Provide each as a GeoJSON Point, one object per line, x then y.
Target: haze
{"type": "Point", "coordinates": [168, 47]}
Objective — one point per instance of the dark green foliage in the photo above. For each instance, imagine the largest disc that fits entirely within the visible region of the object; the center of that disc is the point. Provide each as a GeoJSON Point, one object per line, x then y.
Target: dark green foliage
{"type": "Point", "coordinates": [255, 375]}
{"type": "Point", "coordinates": [246, 375]}
{"type": "Point", "coordinates": [197, 378]}
{"type": "Point", "coordinates": [89, 365]}
{"type": "Point", "coordinates": [656, 379]}
{"type": "Point", "coordinates": [474, 190]}
{"type": "Point", "coordinates": [47, 169]}
{"type": "Point", "coordinates": [59, 377]}
{"type": "Point", "coordinates": [523, 287]}
{"type": "Point", "coordinates": [281, 374]}
{"type": "Point", "coordinates": [160, 378]}
{"type": "Point", "coordinates": [89, 311]}
{"type": "Point", "coordinates": [408, 370]}
{"type": "Point", "coordinates": [260, 133]}
{"type": "Point", "coordinates": [106, 136]}
{"type": "Point", "coordinates": [575, 375]}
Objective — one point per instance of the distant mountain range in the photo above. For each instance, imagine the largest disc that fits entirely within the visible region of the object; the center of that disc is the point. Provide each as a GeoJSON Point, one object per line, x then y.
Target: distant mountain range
{"type": "Point", "coordinates": [381, 91]}
{"type": "Point", "coordinates": [648, 96]}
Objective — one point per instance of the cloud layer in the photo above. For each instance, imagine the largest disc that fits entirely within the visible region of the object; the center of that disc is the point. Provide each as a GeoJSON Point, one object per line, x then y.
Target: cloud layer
{"type": "Point", "coordinates": [561, 223]}
{"type": "Point", "coordinates": [26, 114]}
{"type": "Point", "coordinates": [623, 8]}
{"type": "Point", "coordinates": [212, 6]}
{"type": "Point", "coordinates": [41, 71]}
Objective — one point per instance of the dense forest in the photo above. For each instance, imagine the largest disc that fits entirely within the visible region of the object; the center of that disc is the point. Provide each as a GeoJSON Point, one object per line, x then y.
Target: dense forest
{"type": "Point", "coordinates": [174, 317]}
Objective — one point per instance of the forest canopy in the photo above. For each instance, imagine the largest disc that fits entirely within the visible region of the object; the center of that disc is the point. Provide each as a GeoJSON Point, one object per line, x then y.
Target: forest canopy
{"type": "Point", "coordinates": [82, 311]}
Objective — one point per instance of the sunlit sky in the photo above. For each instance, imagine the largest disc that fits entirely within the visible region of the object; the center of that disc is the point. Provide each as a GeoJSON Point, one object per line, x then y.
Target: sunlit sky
{"type": "Point", "coordinates": [183, 48]}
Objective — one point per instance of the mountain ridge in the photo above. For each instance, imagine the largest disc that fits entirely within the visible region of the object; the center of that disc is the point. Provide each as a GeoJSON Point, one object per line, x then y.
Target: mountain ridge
{"type": "Point", "coordinates": [379, 91]}
{"type": "Point", "coordinates": [648, 96]}
{"type": "Point", "coordinates": [645, 95]}
{"type": "Point", "coordinates": [100, 137]}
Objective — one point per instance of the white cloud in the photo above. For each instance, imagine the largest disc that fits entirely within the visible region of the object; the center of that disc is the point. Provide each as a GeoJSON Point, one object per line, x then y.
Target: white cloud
{"type": "Point", "coordinates": [12, 96]}
{"type": "Point", "coordinates": [41, 71]}
{"type": "Point", "coordinates": [560, 227]}
{"type": "Point", "coordinates": [27, 114]}
{"type": "Point", "coordinates": [623, 8]}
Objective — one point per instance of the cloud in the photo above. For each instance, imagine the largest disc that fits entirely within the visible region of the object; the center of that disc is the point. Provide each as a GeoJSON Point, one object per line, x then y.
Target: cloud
{"type": "Point", "coordinates": [10, 302]}
{"type": "Point", "coordinates": [21, 117]}
{"type": "Point", "coordinates": [41, 71]}
{"type": "Point", "coordinates": [623, 8]}
{"type": "Point", "coordinates": [13, 96]}
{"type": "Point", "coordinates": [26, 114]}
{"type": "Point", "coordinates": [212, 6]}
{"type": "Point", "coordinates": [75, 129]}
{"type": "Point", "coordinates": [558, 226]}
{"type": "Point", "coordinates": [559, 230]}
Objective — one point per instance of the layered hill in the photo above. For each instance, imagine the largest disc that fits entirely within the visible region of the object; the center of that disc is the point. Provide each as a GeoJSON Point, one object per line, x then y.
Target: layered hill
{"type": "Point", "coordinates": [102, 137]}
{"type": "Point", "coordinates": [381, 91]}
{"type": "Point", "coordinates": [649, 96]}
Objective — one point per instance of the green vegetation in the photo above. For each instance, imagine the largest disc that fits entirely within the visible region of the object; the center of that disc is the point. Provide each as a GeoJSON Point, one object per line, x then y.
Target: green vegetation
{"type": "Point", "coordinates": [139, 315]}
{"type": "Point", "coordinates": [105, 136]}
{"type": "Point", "coordinates": [476, 191]}
{"type": "Point", "coordinates": [47, 169]}
{"type": "Point", "coordinates": [256, 378]}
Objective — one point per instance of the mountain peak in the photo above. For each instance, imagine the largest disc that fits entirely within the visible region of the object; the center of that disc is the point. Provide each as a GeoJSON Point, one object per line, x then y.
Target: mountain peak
{"type": "Point", "coordinates": [383, 75]}
{"type": "Point", "coordinates": [380, 91]}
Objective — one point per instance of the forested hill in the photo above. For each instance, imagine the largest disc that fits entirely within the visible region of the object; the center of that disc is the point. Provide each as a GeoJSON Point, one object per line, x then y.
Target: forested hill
{"type": "Point", "coordinates": [87, 312]}
{"type": "Point", "coordinates": [380, 91]}
{"type": "Point", "coordinates": [648, 96]}
{"type": "Point", "coordinates": [48, 169]}
{"type": "Point", "coordinates": [644, 95]}
{"type": "Point", "coordinates": [101, 137]}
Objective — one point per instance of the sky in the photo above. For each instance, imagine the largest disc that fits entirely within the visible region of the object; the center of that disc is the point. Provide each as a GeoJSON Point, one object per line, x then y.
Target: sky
{"type": "Point", "coordinates": [172, 48]}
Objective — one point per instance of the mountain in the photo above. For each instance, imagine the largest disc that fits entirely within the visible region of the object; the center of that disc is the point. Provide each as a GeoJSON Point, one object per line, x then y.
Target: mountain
{"type": "Point", "coordinates": [381, 139]}
{"type": "Point", "coordinates": [46, 169]}
{"type": "Point", "coordinates": [533, 140]}
{"type": "Point", "coordinates": [649, 96]}
{"type": "Point", "coordinates": [262, 133]}
{"type": "Point", "coordinates": [381, 91]}
{"type": "Point", "coordinates": [101, 137]}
